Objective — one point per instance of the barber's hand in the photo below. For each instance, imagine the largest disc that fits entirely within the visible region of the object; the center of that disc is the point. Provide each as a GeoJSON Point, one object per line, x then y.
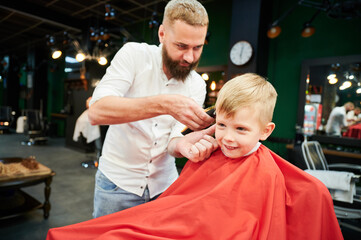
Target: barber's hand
{"type": "Point", "coordinates": [188, 112]}
{"type": "Point", "coordinates": [198, 146]}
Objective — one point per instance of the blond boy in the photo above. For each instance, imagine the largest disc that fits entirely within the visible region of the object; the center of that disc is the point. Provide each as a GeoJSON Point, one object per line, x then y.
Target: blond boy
{"type": "Point", "coordinates": [244, 111]}
{"type": "Point", "coordinates": [243, 191]}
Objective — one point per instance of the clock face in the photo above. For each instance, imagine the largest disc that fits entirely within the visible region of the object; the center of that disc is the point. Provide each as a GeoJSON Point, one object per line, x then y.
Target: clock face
{"type": "Point", "coordinates": [241, 53]}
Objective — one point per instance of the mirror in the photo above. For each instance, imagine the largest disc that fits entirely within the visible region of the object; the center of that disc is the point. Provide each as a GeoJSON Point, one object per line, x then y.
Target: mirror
{"type": "Point", "coordinates": [323, 86]}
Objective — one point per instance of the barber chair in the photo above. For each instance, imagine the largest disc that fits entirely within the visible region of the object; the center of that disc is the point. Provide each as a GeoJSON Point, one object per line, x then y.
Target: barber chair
{"type": "Point", "coordinates": [347, 213]}
{"type": "Point", "coordinates": [34, 128]}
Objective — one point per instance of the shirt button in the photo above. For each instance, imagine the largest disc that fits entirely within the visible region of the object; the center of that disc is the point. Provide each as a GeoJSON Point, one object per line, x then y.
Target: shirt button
{"type": "Point", "coordinates": [155, 143]}
{"type": "Point", "coordinates": [141, 187]}
{"type": "Point", "coordinates": [156, 125]}
{"type": "Point", "coordinates": [150, 161]}
{"type": "Point", "coordinates": [146, 176]}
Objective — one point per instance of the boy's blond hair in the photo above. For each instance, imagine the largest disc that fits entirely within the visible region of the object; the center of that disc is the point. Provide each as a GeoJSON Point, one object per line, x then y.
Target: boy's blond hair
{"type": "Point", "coordinates": [247, 90]}
{"type": "Point", "coordinates": [189, 11]}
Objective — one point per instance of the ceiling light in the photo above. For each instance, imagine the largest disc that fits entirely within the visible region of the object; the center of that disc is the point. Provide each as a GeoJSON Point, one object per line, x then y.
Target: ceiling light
{"type": "Point", "coordinates": [109, 12]}
{"type": "Point", "coordinates": [358, 91]}
{"type": "Point", "coordinates": [307, 30]}
{"type": "Point", "coordinates": [333, 80]}
{"type": "Point", "coordinates": [102, 61]}
{"type": "Point", "coordinates": [205, 76]}
{"type": "Point", "coordinates": [50, 40]}
{"type": "Point", "coordinates": [80, 57]}
{"type": "Point", "coordinates": [154, 20]}
{"type": "Point", "coordinates": [56, 54]}
{"type": "Point", "coordinates": [345, 85]}
{"type": "Point", "coordinates": [274, 31]}
{"type": "Point", "coordinates": [331, 75]}
{"type": "Point", "coordinates": [213, 85]}
{"type": "Point", "coordinates": [66, 38]}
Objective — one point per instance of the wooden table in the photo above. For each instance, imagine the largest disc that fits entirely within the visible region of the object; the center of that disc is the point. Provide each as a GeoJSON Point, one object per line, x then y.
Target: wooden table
{"type": "Point", "coordinates": [14, 201]}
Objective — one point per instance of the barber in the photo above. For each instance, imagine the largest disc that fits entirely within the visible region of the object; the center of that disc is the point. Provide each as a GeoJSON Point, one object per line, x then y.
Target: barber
{"type": "Point", "coordinates": [148, 95]}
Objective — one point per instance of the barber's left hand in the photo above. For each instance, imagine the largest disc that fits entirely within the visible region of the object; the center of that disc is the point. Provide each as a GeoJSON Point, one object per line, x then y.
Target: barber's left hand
{"type": "Point", "coordinates": [198, 146]}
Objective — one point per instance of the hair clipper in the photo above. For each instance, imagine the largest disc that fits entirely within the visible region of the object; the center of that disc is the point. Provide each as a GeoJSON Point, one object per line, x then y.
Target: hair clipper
{"type": "Point", "coordinates": [211, 111]}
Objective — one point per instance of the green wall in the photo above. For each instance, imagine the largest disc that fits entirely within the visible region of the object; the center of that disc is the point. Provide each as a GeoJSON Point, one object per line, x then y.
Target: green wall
{"type": "Point", "coordinates": [216, 51]}
{"type": "Point", "coordinates": [332, 38]}
{"type": "Point", "coordinates": [56, 77]}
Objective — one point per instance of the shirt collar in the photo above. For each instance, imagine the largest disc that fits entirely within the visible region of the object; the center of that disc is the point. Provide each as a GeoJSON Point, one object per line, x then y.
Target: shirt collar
{"type": "Point", "coordinates": [253, 149]}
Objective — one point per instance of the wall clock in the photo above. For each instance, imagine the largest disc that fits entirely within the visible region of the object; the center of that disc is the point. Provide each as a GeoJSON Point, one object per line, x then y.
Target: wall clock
{"type": "Point", "coordinates": [241, 52]}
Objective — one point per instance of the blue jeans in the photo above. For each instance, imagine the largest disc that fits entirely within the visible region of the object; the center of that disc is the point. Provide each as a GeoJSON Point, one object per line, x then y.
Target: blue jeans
{"type": "Point", "coordinates": [109, 198]}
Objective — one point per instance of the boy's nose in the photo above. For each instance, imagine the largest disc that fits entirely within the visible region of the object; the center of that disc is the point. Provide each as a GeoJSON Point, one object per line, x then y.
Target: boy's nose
{"type": "Point", "coordinates": [228, 136]}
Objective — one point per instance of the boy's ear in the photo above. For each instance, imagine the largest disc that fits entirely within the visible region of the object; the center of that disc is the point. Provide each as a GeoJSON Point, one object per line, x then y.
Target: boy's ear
{"type": "Point", "coordinates": [267, 131]}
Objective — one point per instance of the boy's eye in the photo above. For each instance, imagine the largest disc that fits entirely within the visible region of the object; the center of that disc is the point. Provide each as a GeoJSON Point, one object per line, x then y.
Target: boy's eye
{"type": "Point", "coordinates": [241, 129]}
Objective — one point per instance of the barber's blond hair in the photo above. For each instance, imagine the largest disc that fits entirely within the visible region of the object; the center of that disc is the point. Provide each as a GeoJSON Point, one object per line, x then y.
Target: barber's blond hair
{"type": "Point", "coordinates": [248, 90]}
{"type": "Point", "coordinates": [191, 12]}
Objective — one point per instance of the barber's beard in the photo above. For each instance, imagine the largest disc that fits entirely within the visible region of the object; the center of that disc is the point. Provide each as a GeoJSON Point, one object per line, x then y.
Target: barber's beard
{"type": "Point", "coordinates": [174, 68]}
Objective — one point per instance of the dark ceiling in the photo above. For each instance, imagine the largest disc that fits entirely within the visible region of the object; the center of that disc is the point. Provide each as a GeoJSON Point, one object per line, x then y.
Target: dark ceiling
{"type": "Point", "coordinates": [26, 23]}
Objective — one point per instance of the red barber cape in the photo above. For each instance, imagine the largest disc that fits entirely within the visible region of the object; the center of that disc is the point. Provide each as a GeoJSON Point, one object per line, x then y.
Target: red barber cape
{"type": "Point", "coordinates": [260, 196]}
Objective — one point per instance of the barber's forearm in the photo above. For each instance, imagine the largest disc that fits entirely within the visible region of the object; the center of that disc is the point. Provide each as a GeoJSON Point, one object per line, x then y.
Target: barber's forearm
{"type": "Point", "coordinates": [116, 110]}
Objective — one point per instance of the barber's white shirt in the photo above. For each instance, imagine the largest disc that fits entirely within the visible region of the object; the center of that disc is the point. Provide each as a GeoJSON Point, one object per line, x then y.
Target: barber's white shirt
{"type": "Point", "coordinates": [336, 121]}
{"type": "Point", "coordinates": [135, 154]}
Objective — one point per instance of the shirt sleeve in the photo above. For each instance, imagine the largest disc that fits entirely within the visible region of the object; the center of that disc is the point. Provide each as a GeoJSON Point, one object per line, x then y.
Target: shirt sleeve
{"type": "Point", "coordinates": [119, 75]}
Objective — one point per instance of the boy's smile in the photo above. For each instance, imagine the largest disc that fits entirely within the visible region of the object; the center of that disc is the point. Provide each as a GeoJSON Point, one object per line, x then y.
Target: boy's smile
{"type": "Point", "coordinates": [239, 134]}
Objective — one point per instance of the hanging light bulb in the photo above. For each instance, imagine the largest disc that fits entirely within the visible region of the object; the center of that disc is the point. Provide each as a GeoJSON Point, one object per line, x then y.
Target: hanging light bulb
{"type": "Point", "coordinates": [331, 75]}
{"type": "Point", "coordinates": [213, 85]}
{"type": "Point", "coordinates": [109, 12]}
{"type": "Point", "coordinates": [345, 85]}
{"type": "Point", "coordinates": [56, 54]}
{"type": "Point", "coordinates": [205, 76]}
{"type": "Point", "coordinates": [332, 79]}
{"type": "Point", "coordinates": [80, 57]}
{"type": "Point", "coordinates": [102, 61]}
{"type": "Point", "coordinates": [274, 31]}
{"type": "Point", "coordinates": [308, 30]}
